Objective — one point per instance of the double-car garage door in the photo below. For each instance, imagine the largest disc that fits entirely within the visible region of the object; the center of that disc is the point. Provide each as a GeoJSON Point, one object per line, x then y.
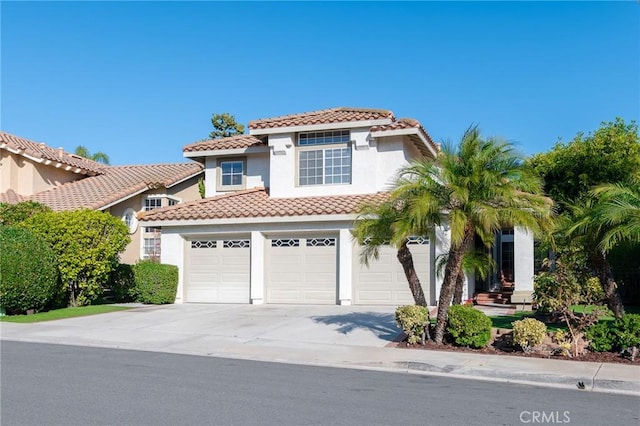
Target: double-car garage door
{"type": "Point", "coordinates": [301, 270]}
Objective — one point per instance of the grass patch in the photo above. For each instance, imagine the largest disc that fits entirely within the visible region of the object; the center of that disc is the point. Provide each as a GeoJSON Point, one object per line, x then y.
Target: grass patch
{"type": "Point", "coordinates": [504, 321]}
{"type": "Point", "coordinates": [56, 314]}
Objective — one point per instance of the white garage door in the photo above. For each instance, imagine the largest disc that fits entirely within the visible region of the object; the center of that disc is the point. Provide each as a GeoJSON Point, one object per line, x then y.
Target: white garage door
{"type": "Point", "coordinates": [384, 281]}
{"type": "Point", "coordinates": [301, 270]}
{"type": "Point", "coordinates": [217, 271]}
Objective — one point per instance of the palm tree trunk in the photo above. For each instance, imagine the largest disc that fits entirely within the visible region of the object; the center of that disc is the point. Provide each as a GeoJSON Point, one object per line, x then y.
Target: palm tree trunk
{"type": "Point", "coordinates": [457, 294]}
{"type": "Point", "coordinates": [406, 260]}
{"type": "Point", "coordinates": [605, 275]}
{"type": "Point", "coordinates": [451, 272]}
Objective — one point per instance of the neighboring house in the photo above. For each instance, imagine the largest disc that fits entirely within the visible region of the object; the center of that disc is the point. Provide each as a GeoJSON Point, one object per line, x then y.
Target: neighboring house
{"type": "Point", "coordinates": [280, 203]}
{"type": "Point", "coordinates": [64, 181]}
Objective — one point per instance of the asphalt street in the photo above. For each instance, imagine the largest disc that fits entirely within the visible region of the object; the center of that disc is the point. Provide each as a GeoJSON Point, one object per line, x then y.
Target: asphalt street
{"type": "Point", "coordinates": [71, 385]}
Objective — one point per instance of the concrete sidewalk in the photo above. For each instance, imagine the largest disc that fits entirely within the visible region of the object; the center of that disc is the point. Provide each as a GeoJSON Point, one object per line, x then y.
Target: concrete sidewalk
{"type": "Point", "coordinates": [335, 336]}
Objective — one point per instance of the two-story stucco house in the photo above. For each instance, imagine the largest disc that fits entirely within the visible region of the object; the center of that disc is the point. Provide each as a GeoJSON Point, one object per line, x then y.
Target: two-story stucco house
{"type": "Point", "coordinates": [32, 171]}
{"type": "Point", "coordinates": [280, 203]}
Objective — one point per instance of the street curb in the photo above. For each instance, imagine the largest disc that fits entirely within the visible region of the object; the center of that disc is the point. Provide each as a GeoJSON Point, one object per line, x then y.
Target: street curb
{"type": "Point", "coordinates": [406, 367]}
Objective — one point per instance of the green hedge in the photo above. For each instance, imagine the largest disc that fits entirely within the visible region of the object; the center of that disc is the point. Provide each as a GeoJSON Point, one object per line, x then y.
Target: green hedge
{"type": "Point", "coordinates": [618, 335]}
{"type": "Point", "coordinates": [29, 273]}
{"type": "Point", "coordinates": [468, 326]}
{"type": "Point", "coordinates": [155, 283]}
{"type": "Point", "coordinates": [121, 283]}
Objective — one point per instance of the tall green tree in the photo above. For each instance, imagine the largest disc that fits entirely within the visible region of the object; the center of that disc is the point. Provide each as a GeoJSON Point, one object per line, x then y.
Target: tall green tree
{"type": "Point", "coordinates": [99, 156]}
{"type": "Point", "coordinates": [225, 125]}
{"type": "Point", "coordinates": [475, 188]}
{"type": "Point", "coordinates": [608, 155]}
{"type": "Point", "coordinates": [377, 225]}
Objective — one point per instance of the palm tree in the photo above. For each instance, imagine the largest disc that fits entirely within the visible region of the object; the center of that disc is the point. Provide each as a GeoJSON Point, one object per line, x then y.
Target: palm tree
{"type": "Point", "coordinates": [475, 188]}
{"type": "Point", "coordinates": [619, 210]}
{"type": "Point", "coordinates": [611, 216]}
{"type": "Point", "coordinates": [375, 226]}
{"type": "Point", "coordinates": [99, 156]}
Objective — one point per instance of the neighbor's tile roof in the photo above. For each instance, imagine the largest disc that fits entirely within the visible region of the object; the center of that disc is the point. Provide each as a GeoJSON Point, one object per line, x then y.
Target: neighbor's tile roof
{"type": "Point", "coordinates": [232, 142]}
{"type": "Point", "coordinates": [11, 197]}
{"type": "Point", "coordinates": [333, 115]}
{"type": "Point", "coordinates": [115, 184]}
{"type": "Point", "coordinates": [406, 123]}
{"type": "Point", "coordinates": [45, 154]}
{"type": "Point", "coordinates": [256, 203]}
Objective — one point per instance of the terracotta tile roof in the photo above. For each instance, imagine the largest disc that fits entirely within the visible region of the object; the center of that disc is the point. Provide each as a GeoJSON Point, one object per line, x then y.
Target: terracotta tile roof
{"type": "Point", "coordinates": [11, 197]}
{"type": "Point", "coordinates": [256, 203]}
{"type": "Point", "coordinates": [406, 123]}
{"type": "Point", "coordinates": [334, 115]}
{"type": "Point", "coordinates": [115, 184]}
{"type": "Point", "coordinates": [232, 142]}
{"type": "Point", "coordinates": [42, 153]}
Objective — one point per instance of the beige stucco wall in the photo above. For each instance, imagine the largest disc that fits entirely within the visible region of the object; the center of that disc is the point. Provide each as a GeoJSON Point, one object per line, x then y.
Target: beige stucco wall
{"type": "Point", "coordinates": [27, 177]}
{"type": "Point", "coordinates": [184, 192]}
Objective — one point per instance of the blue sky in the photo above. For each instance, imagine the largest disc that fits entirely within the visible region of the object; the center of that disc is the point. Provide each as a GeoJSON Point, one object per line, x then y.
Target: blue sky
{"type": "Point", "coordinates": [139, 80]}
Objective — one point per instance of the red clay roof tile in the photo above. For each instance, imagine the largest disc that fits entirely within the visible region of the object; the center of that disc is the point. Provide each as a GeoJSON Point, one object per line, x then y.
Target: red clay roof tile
{"type": "Point", "coordinates": [333, 115]}
{"type": "Point", "coordinates": [40, 151]}
{"type": "Point", "coordinates": [115, 184]}
{"type": "Point", "coordinates": [256, 203]}
{"type": "Point", "coordinates": [232, 142]}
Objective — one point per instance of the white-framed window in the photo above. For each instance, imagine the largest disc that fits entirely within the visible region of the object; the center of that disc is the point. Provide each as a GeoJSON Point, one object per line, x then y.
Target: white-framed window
{"type": "Point", "coordinates": [151, 247]}
{"type": "Point", "coordinates": [231, 174]}
{"type": "Point", "coordinates": [151, 236]}
{"type": "Point", "coordinates": [130, 219]}
{"type": "Point", "coordinates": [152, 203]}
{"type": "Point", "coordinates": [324, 165]}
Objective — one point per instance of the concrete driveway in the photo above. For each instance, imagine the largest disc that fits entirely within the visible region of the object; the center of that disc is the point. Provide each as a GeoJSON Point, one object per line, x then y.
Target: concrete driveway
{"type": "Point", "coordinates": [200, 326]}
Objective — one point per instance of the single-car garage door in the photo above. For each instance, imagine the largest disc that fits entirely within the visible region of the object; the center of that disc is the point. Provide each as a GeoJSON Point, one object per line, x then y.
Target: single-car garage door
{"type": "Point", "coordinates": [301, 270]}
{"type": "Point", "coordinates": [384, 281]}
{"type": "Point", "coordinates": [217, 271]}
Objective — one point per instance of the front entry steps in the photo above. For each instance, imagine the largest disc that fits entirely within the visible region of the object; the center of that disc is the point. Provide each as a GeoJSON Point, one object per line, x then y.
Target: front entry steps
{"type": "Point", "coordinates": [493, 298]}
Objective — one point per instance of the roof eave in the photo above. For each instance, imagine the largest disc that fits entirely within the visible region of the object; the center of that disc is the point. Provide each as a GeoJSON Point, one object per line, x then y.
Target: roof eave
{"type": "Point", "coordinates": [220, 152]}
{"type": "Point", "coordinates": [49, 162]}
{"type": "Point", "coordinates": [412, 131]}
{"type": "Point", "coordinates": [323, 126]}
{"type": "Point", "coordinates": [248, 220]}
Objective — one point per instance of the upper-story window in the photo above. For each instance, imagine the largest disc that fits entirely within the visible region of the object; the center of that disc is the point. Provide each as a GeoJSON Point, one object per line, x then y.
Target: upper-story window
{"type": "Point", "coordinates": [324, 165]}
{"type": "Point", "coordinates": [231, 174]}
{"type": "Point", "coordinates": [152, 203]}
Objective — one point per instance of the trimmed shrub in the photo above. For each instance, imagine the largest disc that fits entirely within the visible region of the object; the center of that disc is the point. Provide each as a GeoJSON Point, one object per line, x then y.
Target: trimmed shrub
{"type": "Point", "coordinates": [29, 274]}
{"type": "Point", "coordinates": [413, 320]}
{"type": "Point", "coordinates": [627, 331]}
{"type": "Point", "coordinates": [122, 283]}
{"type": "Point", "coordinates": [469, 326]}
{"type": "Point", "coordinates": [528, 332]}
{"type": "Point", "coordinates": [155, 283]}
{"type": "Point", "coordinates": [601, 337]}
{"type": "Point", "coordinates": [12, 214]}
{"type": "Point", "coordinates": [87, 244]}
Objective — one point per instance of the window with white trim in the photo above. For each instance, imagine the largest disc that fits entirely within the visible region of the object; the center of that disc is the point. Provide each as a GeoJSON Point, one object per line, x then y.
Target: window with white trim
{"type": "Point", "coordinates": [151, 235]}
{"type": "Point", "coordinates": [231, 174]}
{"type": "Point", "coordinates": [152, 203]}
{"type": "Point", "coordinates": [328, 165]}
